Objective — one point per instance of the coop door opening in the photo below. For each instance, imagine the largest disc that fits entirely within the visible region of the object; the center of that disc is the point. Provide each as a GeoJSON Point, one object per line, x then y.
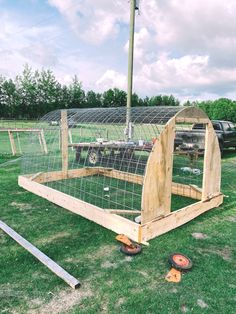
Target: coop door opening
{"type": "Point", "coordinates": [188, 159]}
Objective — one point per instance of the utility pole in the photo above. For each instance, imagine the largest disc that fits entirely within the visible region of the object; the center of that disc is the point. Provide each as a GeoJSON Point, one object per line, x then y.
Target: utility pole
{"type": "Point", "coordinates": [133, 7]}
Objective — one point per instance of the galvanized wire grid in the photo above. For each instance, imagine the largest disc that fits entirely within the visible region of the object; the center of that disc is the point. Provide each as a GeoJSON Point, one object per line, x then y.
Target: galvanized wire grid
{"type": "Point", "coordinates": [101, 131]}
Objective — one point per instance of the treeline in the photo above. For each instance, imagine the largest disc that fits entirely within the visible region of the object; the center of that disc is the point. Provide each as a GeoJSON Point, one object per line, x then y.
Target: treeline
{"type": "Point", "coordinates": [220, 109]}
{"type": "Point", "coordinates": [34, 93]}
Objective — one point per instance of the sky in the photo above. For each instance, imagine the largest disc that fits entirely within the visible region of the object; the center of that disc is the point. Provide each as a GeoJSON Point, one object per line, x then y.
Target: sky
{"type": "Point", "coordinates": [186, 48]}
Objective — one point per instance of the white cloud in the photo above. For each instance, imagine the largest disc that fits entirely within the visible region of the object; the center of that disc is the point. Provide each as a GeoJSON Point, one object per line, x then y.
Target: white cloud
{"type": "Point", "coordinates": [93, 21]}
{"type": "Point", "coordinates": [187, 49]}
{"type": "Point", "coordinates": [111, 79]}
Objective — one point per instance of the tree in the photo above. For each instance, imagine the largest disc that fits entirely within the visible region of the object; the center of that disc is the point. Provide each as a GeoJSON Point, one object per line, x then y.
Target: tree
{"type": "Point", "coordinates": [76, 94]}
{"type": "Point", "coordinates": [93, 100]}
{"type": "Point", "coordinates": [114, 98]}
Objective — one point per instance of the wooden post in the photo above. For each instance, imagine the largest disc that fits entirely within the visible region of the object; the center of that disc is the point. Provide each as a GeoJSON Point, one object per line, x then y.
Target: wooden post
{"type": "Point", "coordinates": [12, 141]}
{"type": "Point", "coordinates": [70, 137]}
{"type": "Point", "coordinates": [40, 142]}
{"type": "Point", "coordinates": [212, 164]}
{"type": "Point", "coordinates": [64, 142]}
{"type": "Point", "coordinates": [45, 148]}
{"type": "Point", "coordinates": [157, 184]}
{"type": "Point", "coordinates": [18, 140]}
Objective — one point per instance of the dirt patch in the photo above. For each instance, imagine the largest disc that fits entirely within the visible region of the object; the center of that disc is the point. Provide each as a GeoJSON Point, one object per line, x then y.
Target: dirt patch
{"type": "Point", "coordinates": [3, 238]}
{"type": "Point", "coordinates": [199, 235]}
{"type": "Point", "coordinates": [225, 252]}
{"type": "Point", "coordinates": [231, 218]}
{"type": "Point", "coordinates": [128, 259]}
{"type": "Point", "coordinates": [184, 308]}
{"type": "Point", "coordinates": [103, 252]}
{"type": "Point", "coordinates": [119, 302]}
{"type": "Point", "coordinates": [108, 264]}
{"type": "Point", "coordinates": [21, 206]}
{"type": "Point", "coordinates": [19, 192]}
{"type": "Point", "coordinates": [53, 237]}
{"type": "Point", "coordinates": [202, 304]}
{"type": "Point", "coordinates": [174, 290]}
{"type": "Point", "coordinates": [60, 303]}
{"type": "Point", "coordinates": [143, 273]}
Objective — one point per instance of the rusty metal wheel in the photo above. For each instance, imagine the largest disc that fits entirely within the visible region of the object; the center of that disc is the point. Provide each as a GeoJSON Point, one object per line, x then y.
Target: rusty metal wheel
{"type": "Point", "coordinates": [180, 261]}
{"type": "Point", "coordinates": [128, 250]}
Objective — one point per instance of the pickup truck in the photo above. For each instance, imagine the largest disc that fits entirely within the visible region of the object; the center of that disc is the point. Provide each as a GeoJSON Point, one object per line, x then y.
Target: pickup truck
{"type": "Point", "coordinates": [194, 139]}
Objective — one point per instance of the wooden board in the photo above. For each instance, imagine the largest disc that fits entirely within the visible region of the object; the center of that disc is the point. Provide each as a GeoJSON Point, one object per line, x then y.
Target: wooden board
{"type": "Point", "coordinates": [48, 262]}
{"type": "Point", "coordinates": [178, 218]}
{"type": "Point", "coordinates": [113, 222]}
{"type": "Point", "coordinates": [64, 142]}
{"type": "Point", "coordinates": [12, 142]}
{"type": "Point", "coordinates": [212, 165]}
{"type": "Point", "coordinates": [59, 175]}
{"type": "Point", "coordinates": [157, 184]}
{"type": "Point", "coordinates": [45, 148]}
{"type": "Point", "coordinates": [186, 190]}
{"type": "Point", "coordinates": [177, 188]}
{"type": "Point", "coordinates": [123, 211]}
{"type": "Point", "coordinates": [122, 175]}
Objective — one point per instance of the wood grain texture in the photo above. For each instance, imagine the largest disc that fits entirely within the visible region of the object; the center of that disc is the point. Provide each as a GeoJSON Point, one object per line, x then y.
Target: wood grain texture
{"type": "Point", "coordinates": [212, 164]}
{"type": "Point", "coordinates": [178, 218]}
{"type": "Point", "coordinates": [113, 222]}
{"type": "Point", "coordinates": [157, 184]}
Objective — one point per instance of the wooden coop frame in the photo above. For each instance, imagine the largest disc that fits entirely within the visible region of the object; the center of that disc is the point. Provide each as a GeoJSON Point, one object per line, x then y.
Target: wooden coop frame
{"type": "Point", "coordinates": [11, 131]}
{"type": "Point", "coordinates": [157, 185]}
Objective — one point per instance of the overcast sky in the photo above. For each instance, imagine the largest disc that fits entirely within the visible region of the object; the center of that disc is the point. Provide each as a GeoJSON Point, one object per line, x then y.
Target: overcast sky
{"type": "Point", "coordinates": [182, 47]}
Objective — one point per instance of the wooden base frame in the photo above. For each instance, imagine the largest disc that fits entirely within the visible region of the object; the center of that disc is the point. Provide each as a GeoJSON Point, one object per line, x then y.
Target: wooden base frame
{"type": "Point", "coordinates": [157, 185]}
{"type": "Point", "coordinates": [111, 219]}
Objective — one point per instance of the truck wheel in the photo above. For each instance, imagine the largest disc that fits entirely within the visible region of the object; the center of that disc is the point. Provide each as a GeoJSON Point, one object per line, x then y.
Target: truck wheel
{"type": "Point", "coordinates": [94, 157]}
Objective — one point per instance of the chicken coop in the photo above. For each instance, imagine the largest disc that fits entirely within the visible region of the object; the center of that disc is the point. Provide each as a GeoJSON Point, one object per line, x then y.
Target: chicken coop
{"type": "Point", "coordinates": [140, 178]}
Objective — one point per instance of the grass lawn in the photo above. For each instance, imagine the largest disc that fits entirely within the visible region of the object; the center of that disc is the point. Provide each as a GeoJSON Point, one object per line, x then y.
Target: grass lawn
{"type": "Point", "coordinates": [112, 282]}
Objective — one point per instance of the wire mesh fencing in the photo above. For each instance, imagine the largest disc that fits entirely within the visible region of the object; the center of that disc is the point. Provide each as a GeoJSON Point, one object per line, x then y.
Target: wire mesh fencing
{"type": "Point", "coordinates": [97, 138]}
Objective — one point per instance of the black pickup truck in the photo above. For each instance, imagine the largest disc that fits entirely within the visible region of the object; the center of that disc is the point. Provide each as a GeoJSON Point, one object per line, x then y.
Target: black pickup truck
{"type": "Point", "coordinates": [194, 139]}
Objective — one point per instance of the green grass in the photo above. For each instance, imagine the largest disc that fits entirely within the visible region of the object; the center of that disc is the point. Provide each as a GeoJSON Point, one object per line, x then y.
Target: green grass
{"type": "Point", "coordinates": [111, 282]}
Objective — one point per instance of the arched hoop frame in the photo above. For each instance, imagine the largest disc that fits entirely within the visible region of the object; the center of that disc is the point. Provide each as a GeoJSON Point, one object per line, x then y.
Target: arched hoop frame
{"type": "Point", "coordinates": [157, 183]}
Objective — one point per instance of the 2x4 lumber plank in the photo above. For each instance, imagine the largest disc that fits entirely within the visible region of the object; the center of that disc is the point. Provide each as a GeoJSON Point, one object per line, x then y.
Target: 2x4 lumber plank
{"type": "Point", "coordinates": [177, 188]}
{"type": "Point", "coordinates": [113, 222]}
{"type": "Point", "coordinates": [212, 164]}
{"type": "Point", "coordinates": [122, 175]}
{"type": "Point", "coordinates": [64, 142]}
{"type": "Point", "coordinates": [123, 211]}
{"type": "Point", "coordinates": [186, 190]}
{"type": "Point", "coordinates": [178, 218]}
{"type": "Point", "coordinates": [45, 148]}
{"type": "Point", "coordinates": [47, 261]}
{"type": "Point", "coordinates": [157, 184]}
{"type": "Point", "coordinates": [18, 130]}
{"type": "Point", "coordinates": [58, 175]}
